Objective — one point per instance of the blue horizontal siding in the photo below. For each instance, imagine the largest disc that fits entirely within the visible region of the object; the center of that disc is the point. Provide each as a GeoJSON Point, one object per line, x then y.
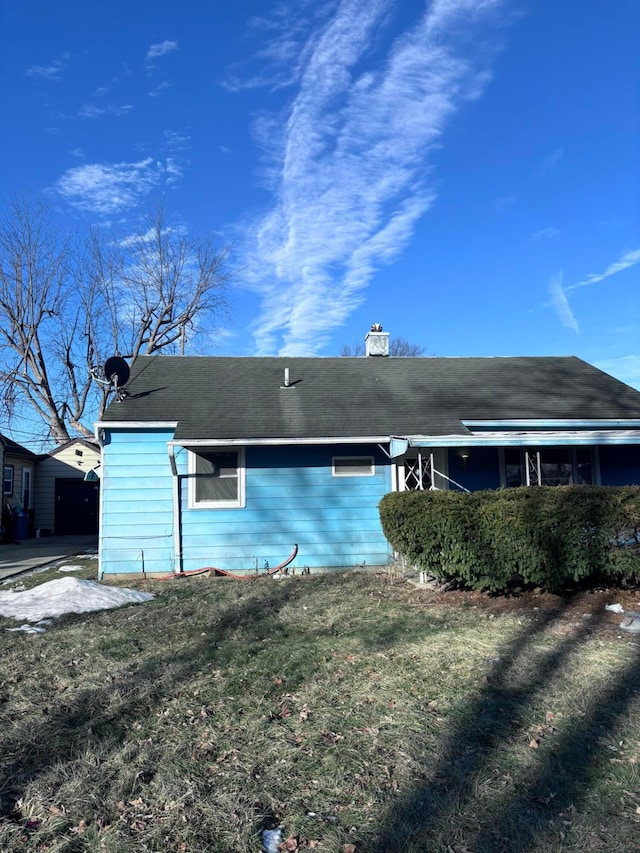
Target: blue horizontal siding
{"type": "Point", "coordinates": [136, 516]}
{"type": "Point", "coordinates": [292, 497]}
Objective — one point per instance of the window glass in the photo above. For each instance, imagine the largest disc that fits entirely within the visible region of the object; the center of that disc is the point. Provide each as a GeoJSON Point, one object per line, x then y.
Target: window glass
{"type": "Point", "coordinates": [7, 482]}
{"type": "Point", "coordinates": [216, 476]}
{"type": "Point", "coordinates": [26, 488]}
{"type": "Point", "coordinates": [353, 466]}
{"type": "Point", "coordinates": [513, 467]}
{"type": "Point", "coordinates": [555, 466]}
{"type": "Point", "coordinates": [584, 466]}
{"type": "Point", "coordinates": [548, 466]}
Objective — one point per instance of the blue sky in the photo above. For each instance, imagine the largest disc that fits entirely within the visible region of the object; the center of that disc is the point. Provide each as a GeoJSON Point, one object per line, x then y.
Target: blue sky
{"type": "Point", "coordinates": [465, 172]}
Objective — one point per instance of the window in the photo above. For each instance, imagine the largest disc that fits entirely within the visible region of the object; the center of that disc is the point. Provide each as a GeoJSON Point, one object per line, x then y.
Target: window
{"type": "Point", "coordinates": [7, 480]}
{"type": "Point", "coordinates": [216, 478]}
{"type": "Point", "coordinates": [548, 466]}
{"type": "Point", "coordinates": [353, 466]}
{"type": "Point", "coordinates": [26, 488]}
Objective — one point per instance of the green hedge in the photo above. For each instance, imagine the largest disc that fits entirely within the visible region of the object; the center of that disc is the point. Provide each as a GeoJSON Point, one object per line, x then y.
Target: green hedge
{"type": "Point", "coordinates": [549, 537]}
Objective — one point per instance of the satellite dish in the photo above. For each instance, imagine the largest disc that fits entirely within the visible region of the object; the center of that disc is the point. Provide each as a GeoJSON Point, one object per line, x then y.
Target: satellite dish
{"type": "Point", "coordinates": [116, 371]}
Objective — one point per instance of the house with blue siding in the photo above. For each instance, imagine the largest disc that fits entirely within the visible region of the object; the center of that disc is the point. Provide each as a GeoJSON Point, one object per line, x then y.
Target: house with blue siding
{"type": "Point", "coordinates": [230, 462]}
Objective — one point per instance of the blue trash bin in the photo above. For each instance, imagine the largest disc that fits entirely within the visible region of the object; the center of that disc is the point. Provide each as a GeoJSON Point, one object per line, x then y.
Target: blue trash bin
{"type": "Point", "coordinates": [21, 526]}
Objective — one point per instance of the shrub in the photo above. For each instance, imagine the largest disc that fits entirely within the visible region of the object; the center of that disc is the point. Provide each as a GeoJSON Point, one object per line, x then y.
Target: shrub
{"type": "Point", "coordinates": [551, 537]}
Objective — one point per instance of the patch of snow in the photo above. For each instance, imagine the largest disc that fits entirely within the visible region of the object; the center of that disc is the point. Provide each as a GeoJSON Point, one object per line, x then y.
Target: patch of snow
{"type": "Point", "coordinates": [70, 568]}
{"type": "Point", "coordinates": [66, 595]}
{"type": "Point", "coordinates": [615, 608]}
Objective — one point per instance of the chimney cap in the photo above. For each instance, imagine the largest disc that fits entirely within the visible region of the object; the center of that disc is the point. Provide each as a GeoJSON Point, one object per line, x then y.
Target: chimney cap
{"type": "Point", "coordinates": [376, 327]}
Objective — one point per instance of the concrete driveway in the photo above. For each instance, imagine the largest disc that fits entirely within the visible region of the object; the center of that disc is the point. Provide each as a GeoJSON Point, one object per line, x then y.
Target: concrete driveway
{"type": "Point", "coordinates": [16, 558]}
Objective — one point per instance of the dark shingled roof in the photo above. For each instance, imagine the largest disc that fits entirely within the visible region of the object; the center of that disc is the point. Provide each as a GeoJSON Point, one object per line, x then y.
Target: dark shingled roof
{"type": "Point", "coordinates": [12, 448]}
{"type": "Point", "coordinates": [242, 398]}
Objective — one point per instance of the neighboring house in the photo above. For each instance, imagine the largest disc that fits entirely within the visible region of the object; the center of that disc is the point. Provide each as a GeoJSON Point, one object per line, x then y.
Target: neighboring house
{"type": "Point", "coordinates": [18, 477]}
{"type": "Point", "coordinates": [227, 462]}
{"type": "Point", "coordinates": [64, 502]}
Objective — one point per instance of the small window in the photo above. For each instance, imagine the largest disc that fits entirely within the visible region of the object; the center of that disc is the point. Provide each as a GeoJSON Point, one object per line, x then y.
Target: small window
{"type": "Point", "coordinates": [353, 466]}
{"type": "Point", "coordinates": [216, 478]}
{"type": "Point", "coordinates": [7, 480]}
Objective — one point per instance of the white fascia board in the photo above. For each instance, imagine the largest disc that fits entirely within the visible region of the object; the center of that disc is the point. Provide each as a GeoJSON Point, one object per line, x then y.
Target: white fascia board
{"type": "Point", "coordinates": [524, 439]}
{"type": "Point", "coordinates": [269, 442]}
{"type": "Point", "coordinates": [553, 424]}
{"type": "Point", "coordinates": [136, 425]}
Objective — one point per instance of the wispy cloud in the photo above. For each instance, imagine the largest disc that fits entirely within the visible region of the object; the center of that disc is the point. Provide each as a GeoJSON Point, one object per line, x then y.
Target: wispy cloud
{"type": "Point", "coordinates": [92, 111]}
{"type": "Point", "coordinates": [561, 303]}
{"type": "Point", "coordinates": [287, 40]}
{"type": "Point", "coordinates": [629, 259]}
{"type": "Point", "coordinates": [109, 188]}
{"type": "Point", "coordinates": [626, 368]}
{"type": "Point", "coordinates": [174, 170]}
{"type": "Point", "coordinates": [545, 234]}
{"type": "Point", "coordinates": [161, 49]}
{"type": "Point", "coordinates": [349, 169]}
{"type": "Point", "coordinates": [53, 71]}
{"type": "Point", "coordinates": [505, 203]}
{"type": "Point", "coordinates": [176, 140]}
{"type": "Point", "coordinates": [159, 89]}
{"type": "Point", "coordinates": [551, 160]}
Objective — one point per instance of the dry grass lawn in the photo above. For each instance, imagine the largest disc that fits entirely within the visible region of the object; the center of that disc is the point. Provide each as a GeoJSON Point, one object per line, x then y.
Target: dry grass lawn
{"type": "Point", "coordinates": [359, 713]}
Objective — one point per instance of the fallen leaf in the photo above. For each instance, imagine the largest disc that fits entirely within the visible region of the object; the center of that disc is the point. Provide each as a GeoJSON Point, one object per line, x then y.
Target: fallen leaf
{"type": "Point", "coordinates": [533, 743]}
{"type": "Point", "coordinates": [348, 848]}
{"type": "Point", "coordinates": [290, 844]}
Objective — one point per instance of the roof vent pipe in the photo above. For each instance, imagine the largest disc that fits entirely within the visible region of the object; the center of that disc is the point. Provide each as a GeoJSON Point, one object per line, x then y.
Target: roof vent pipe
{"type": "Point", "coordinates": [287, 381]}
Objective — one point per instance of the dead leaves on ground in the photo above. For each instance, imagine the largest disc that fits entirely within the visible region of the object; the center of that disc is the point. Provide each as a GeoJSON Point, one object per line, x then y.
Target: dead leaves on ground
{"type": "Point", "coordinates": [294, 844]}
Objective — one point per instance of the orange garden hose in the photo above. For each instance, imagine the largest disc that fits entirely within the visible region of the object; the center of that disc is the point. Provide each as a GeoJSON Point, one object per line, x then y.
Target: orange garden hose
{"type": "Point", "coordinates": [212, 570]}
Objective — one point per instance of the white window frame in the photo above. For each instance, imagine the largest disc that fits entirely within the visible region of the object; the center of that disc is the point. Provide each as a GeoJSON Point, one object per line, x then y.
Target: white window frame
{"type": "Point", "coordinates": [237, 503]}
{"type": "Point", "coordinates": [419, 470]}
{"type": "Point", "coordinates": [365, 472]}
{"type": "Point", "coordinates": [4, 479]}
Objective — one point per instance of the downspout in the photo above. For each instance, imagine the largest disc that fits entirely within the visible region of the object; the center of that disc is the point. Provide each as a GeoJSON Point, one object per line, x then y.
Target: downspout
{"type": "Point", "coordinates": [177, 531]}
{"type": "Point", "coordinates": [99, 435]}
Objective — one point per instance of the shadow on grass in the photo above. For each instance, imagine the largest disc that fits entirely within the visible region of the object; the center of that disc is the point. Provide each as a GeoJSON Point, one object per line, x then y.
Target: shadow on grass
{"type": "Point", "coordinates": [446, 810]}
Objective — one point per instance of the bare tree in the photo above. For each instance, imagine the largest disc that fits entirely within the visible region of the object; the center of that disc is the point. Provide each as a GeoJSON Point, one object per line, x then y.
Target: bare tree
{"type": "Point", "coordinates": [67, 303]}
{"type": "Point", "coordinates": [398, 347]}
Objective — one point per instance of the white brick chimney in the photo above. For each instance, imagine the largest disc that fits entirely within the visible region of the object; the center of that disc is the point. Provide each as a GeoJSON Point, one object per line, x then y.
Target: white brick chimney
{"type": "Point", "coordinates": [376, 342]}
